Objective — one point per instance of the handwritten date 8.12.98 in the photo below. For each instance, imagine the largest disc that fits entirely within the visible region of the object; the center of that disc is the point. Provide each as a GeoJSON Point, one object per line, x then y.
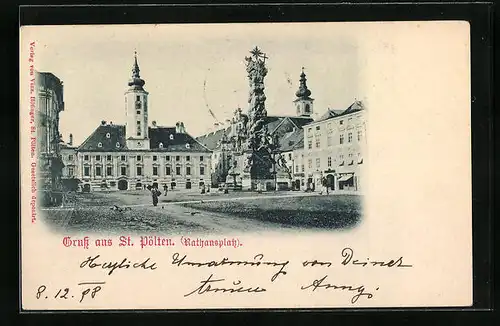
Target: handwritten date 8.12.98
{"type": "Point", "coordinates": [84, 290]}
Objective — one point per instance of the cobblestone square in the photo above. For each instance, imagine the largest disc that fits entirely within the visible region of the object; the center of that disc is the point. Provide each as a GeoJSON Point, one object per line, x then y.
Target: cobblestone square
{"type": "Point", "coordinates": [214, 213]}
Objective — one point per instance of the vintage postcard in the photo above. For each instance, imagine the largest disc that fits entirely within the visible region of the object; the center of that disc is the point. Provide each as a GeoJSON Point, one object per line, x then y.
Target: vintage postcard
{"type": "Point", "coordinates": [219, 166]}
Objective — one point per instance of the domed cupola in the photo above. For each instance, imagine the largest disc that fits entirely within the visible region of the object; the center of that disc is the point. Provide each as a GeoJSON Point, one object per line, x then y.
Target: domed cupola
{"type": "Point", "coordinates": [136, 81]}
{"type": "Point", "coordinates": [303, 91]}
{"type": "Point", "coordinates": [303, 102]}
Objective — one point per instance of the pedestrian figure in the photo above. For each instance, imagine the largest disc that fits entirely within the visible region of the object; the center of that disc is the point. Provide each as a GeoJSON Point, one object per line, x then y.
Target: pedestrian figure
{"type": "Point", "coordinates": [165, 188]}
{"type": "Point", "coordinates": [155, 193]}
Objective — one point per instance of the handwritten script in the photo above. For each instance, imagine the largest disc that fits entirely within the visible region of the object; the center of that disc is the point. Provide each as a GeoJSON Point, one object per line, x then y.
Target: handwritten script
{"type": "Point", "coordinates": [215, 283]}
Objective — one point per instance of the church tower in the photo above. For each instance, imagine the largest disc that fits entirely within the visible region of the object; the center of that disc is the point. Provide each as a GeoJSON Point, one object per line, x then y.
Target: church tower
{"type": "Point", "coordinates": [136, 111]}
{"type": "Point", "coordinates": [303, 103]}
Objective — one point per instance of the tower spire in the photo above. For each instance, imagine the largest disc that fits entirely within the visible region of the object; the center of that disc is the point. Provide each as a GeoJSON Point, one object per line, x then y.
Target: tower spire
{"type": "Point", "coordinates": [136, 80]}
{"type": "Point", "coordinates": [303, 91]}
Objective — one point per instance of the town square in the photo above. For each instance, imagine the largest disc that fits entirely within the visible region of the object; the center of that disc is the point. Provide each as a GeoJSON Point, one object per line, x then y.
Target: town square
{"type": "Point", "coordinates": [253, 171]}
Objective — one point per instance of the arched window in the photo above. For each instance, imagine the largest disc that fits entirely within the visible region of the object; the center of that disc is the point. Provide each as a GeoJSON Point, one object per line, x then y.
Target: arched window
{"type": "Point", "coordinates": [308, 108]}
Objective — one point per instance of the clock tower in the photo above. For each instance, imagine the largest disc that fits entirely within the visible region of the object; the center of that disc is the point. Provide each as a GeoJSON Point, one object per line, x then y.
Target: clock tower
{"type": "Point", "coordinates": [136, 111]}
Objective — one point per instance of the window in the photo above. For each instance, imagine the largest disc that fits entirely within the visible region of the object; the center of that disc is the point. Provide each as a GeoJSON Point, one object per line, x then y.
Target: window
{"type": "Point", "coordinates": [318, 162]}
{"type": "Point", "coordinates": [349, 137]}
{"type": "Point", "coordinates": [310, 163]}
{"type": "Point", "coordinates": [167, 170]}
{"type": "Point", "coordinates": [202, 170]}
{"type": "Point", "coordinates": [138, 123]}
{"type": "Point", "coordinates": [318, 142]}
{"type": "Point", "coordinates": [341, 122]}
{"type": "Point", "coordinates": [351, 161]}
{"type": "Point", "coordinates": [138, 134]}
{"type": "Point", "coordinates": [85, 157]}
{"type": "Point", "coordinates": [123, 170]}
{"type": "Point", "coordinates": [138, 112]}
{"type": "Point", "coordinates": [108, 158]}
{"type": "Point", "coordinates": [188, 146]}
{"type": "Point", "coordinates": [303, 168]}
{"type": "Point", "coordinates": [329, 161]}
{"type": "Point", "coordinates": [109, 171]}
{"type": "Point", "coordinates": [70, 157]}
{"type": "Point", "coordinates": [289, 156]}
{"type": "Point", "coordinates": [360, 135]}
{"type": "Point", "coordinates": [341, 138]}
{"type": "Point", "coordinates": [139, 170]}
{"type": "Point", "coordinates": [188, 158]}
{"type": "Point", "coordinates": [98, 157]}
{"type": "Point", "coordinates": [117, 145]}
{"type": "Point", "coordinates": [155, 158]}
{"type": "Point", "coordinates": [201, 158]}
{"type": "Point", "coordinates": [309, 130]}
{"type": "Point", "coordinates": [99, 144]}
{"type": "Point", "coordinates": [138, 158]}
{"type": "Point", "coordinates": [178, 170]}
{"type": "Point", "coordinates": [309, 144]}
{"type": "Point", "coordinates": [108, 135]}
{"type": "Point", "coordinates": [171, 137]}
{"type": "Point", "coordinates": [138, 98]}
{"type": "Point", "coordinates": [86, 171]}
{"type": "Point", "coordinates": [329, 126]}
{"type": "Point", "coordinates": [308, 108]}
{"type": "Point", "coordinates": [98, 171]}
{"type": "Point", "coordinates": [122, 157]}
{"type": "Point", "coordinates": [167, 158]}
{"type": "Point", "coordinates": [297, 168]}
{"type": "Point", "coordinates": [70, 171]}
{"type": "Point", "coordinates": [177, 158]}
{"type": "Point", "coordinates": [317, 128]}
{"type": "Point", "coordinates": [161, 145]}
{"type": "Point", "coordinates": [329, 141]}
{"type": "Point", "coordinates": [155, 170]}
{"type": "Point", "coordinates": [188, 170]}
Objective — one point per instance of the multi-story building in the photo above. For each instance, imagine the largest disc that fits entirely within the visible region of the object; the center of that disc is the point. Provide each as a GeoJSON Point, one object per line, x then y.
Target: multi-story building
{"type": "Point", "coordinates": [49, 103]}
{"type": "Point", "coordinates": [333, 150]}
{"type": "Point", "coordinates": [136, 155]}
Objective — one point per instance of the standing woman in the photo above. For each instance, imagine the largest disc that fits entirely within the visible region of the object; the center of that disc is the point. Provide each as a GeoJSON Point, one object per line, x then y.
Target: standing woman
{"type": "Point", "coordinates": [155, 193]}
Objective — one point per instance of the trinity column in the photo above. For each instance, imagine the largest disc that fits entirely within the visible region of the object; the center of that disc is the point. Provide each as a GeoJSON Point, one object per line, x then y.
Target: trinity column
{"type": "Point", "coordinates": [258, 149]}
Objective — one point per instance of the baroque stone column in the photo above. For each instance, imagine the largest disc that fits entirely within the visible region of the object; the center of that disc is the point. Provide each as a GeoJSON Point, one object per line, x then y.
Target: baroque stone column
{"type": "Point", "coordinates": [258, 149]}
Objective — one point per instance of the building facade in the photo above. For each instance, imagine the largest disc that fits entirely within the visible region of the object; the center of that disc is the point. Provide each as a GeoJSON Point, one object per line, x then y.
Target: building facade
{"type": "Point", "coordinates": [333, 151]}
{"type": "Point", "coordinates": [49, 104]}
{"type": "Point", "coordinates": [136, 155]}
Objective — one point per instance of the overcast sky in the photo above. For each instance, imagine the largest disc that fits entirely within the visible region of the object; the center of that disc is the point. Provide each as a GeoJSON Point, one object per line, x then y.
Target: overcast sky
{"type": "Point", "coordinates": [176, 61]}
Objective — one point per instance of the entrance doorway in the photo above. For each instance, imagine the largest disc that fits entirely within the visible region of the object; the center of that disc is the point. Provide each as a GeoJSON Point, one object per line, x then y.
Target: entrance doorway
{"type": "Point", "coordinates": [330, 182]}
{"type": "Point", "coordinates": [122, 185]}
{"type": "Point", "coordinates": [188, 185]}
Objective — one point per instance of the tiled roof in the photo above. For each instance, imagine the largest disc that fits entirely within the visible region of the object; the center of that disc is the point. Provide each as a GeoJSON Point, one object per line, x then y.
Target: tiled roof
{"type": "Point", "coordinates": [212, 139]}
{"type": "Point", "coordinates": [354, 107]}
{"type": "Point", "coordinates": [110, 135]}
{"type": "Point", "coordinates": [109, 144]}
{"type": "Point", "coordinates": [292, 140]}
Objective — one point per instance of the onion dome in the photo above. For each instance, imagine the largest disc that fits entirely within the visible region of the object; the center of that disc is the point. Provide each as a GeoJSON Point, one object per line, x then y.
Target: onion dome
{"type": "Point", "coordinates": [303, 91]}
{"type": "Point", "coordinates": [136, 78]}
